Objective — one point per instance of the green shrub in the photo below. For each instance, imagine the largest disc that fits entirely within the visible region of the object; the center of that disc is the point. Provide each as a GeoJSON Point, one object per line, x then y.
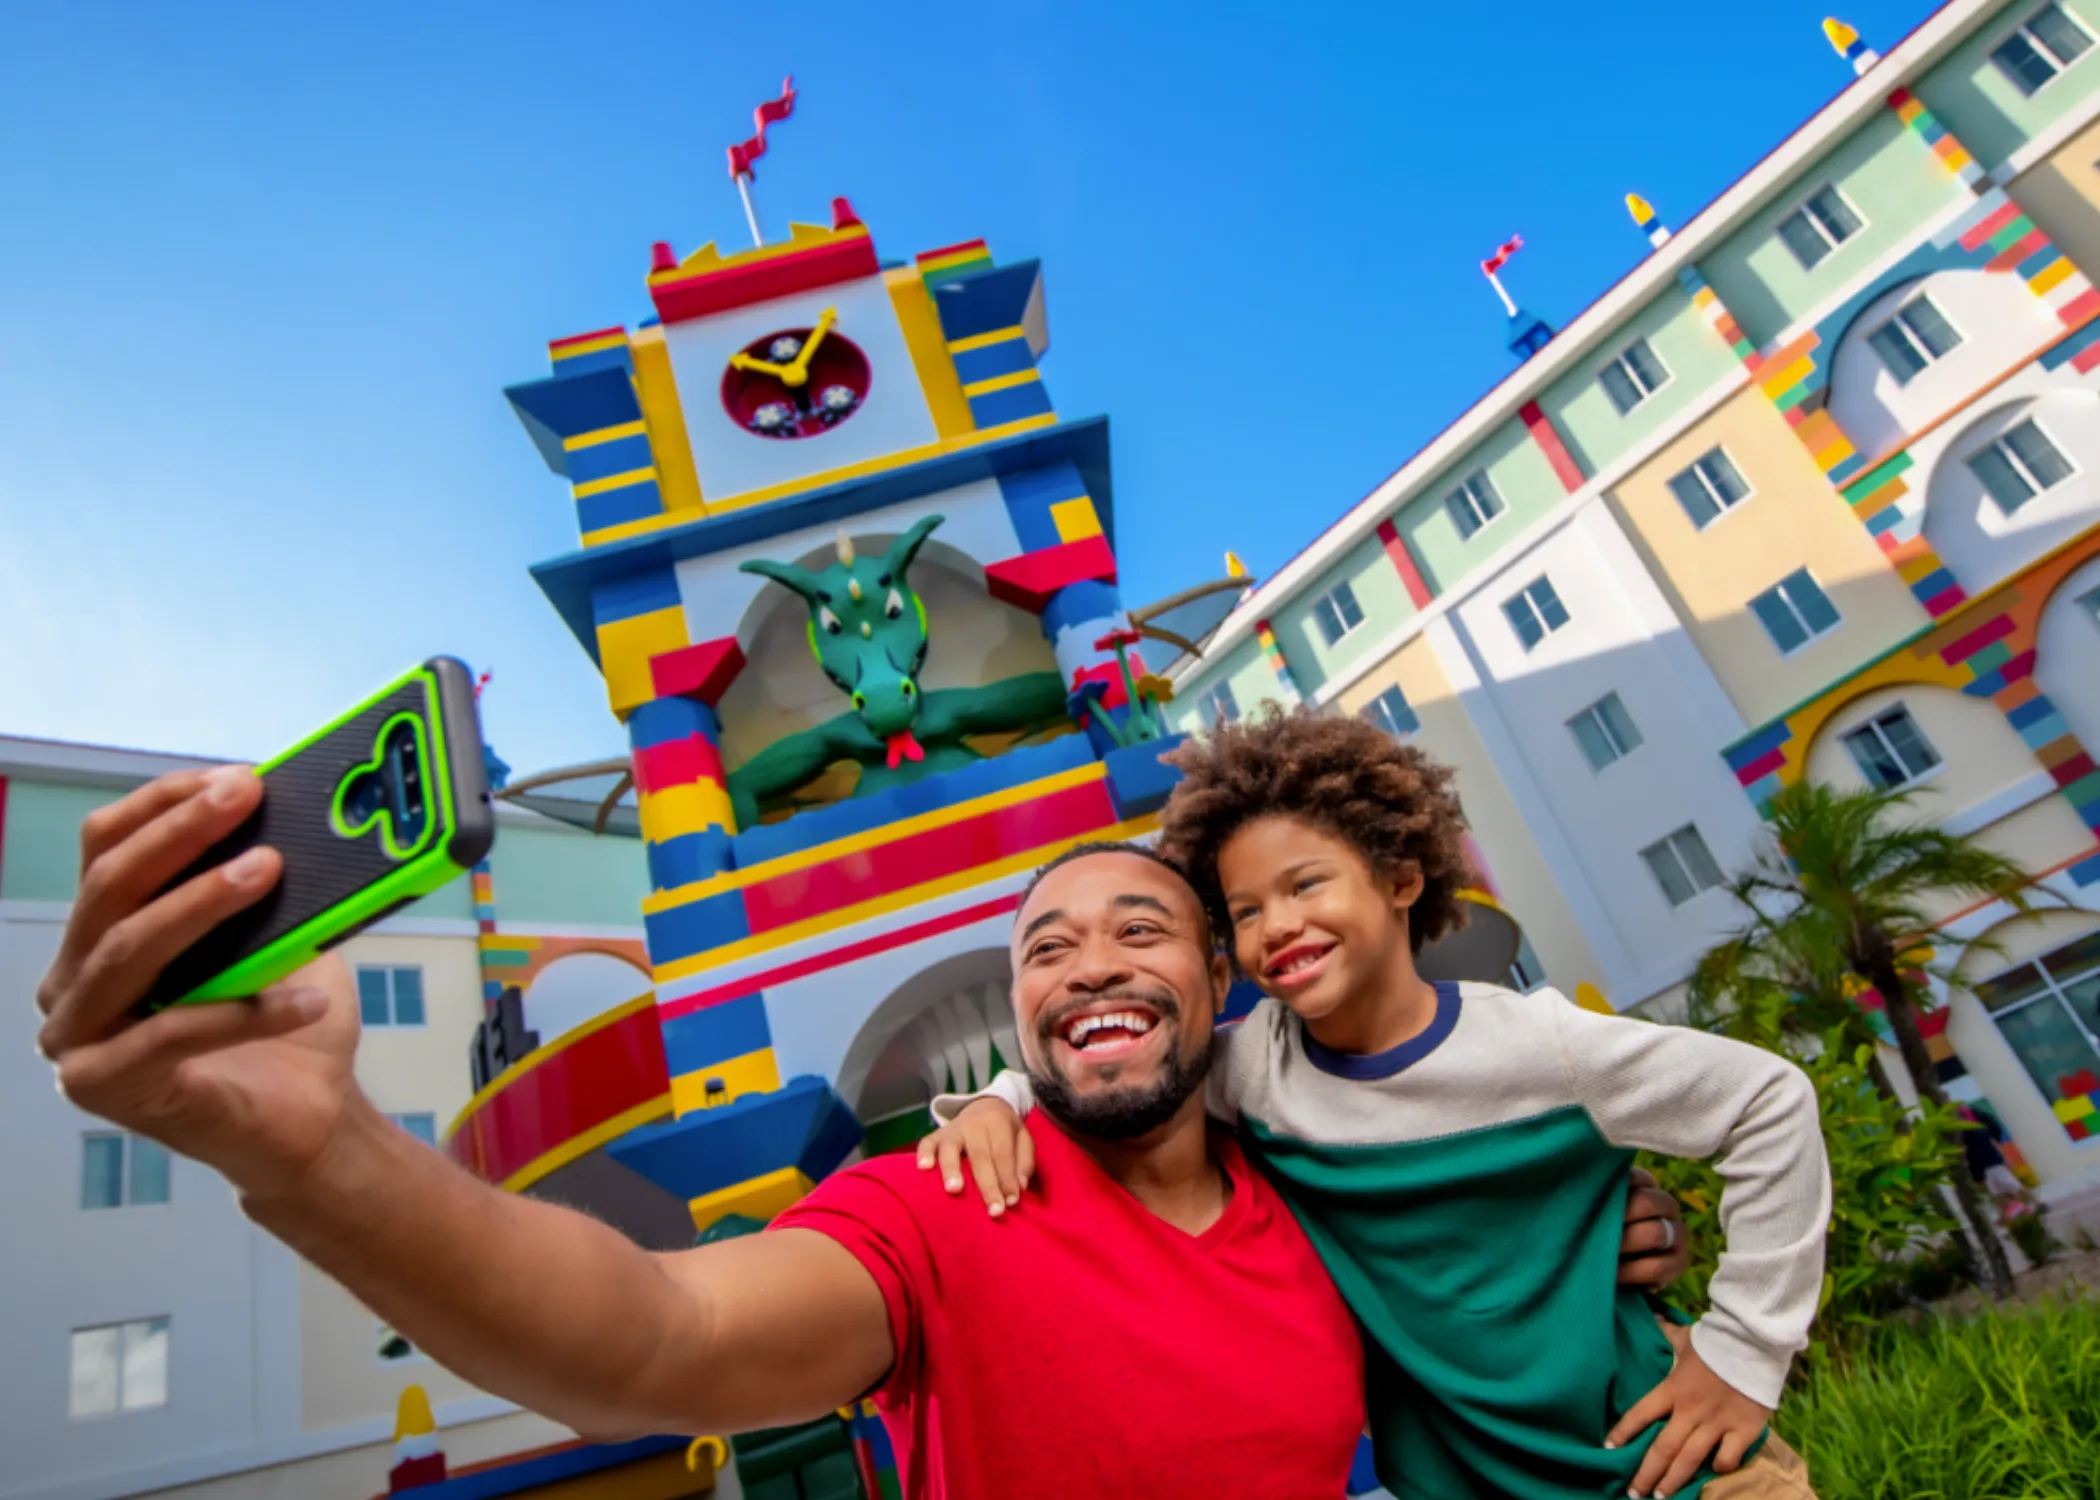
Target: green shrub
{"type": "Point", "coordinates": [1889, 1222]}
{"type": "Point", "coordinates": [1996, 1406]}
{"type": "Point", "coordinates": [2029, 1229]}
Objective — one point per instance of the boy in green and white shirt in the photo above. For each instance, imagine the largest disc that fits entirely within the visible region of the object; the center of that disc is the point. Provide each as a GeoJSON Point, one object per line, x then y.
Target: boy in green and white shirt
{"type": "Point", "coordinates": [1458, 1153]}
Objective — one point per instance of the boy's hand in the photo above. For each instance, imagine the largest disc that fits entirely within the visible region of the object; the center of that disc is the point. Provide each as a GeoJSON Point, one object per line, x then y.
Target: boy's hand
{"type": "Point", "coordinates": [1001, 1152]}
{"type": "Point", "coordinates": [1707, 1416]}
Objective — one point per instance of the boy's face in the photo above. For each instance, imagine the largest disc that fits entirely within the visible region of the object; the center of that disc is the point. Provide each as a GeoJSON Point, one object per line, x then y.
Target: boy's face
{"type": "Point", "coordinates": [1312, 923]}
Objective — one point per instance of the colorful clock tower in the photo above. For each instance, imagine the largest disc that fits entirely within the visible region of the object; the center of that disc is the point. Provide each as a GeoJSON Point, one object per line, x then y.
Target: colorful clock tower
{"type": "Point", "coordinates": [852, 586]}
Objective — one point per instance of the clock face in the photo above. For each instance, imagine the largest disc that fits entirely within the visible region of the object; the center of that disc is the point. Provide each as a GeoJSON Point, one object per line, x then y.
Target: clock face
{"type": "Point", "coordinates": [781, 387]}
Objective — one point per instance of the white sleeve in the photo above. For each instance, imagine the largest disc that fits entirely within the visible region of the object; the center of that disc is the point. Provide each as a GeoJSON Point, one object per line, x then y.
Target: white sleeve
{"type": "Point", "coordinates": [1012, 1088]}
{"type": "Point", "coordinates": [1682, 1092]}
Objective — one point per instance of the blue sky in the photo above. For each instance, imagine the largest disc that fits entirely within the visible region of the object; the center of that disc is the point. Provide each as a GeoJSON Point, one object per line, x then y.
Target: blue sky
{"type": "Point", "coordinates": [267, 269]}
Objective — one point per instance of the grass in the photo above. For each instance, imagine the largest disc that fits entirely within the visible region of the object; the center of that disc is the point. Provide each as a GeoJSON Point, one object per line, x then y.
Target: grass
{"type": "Point", "coordinates": [2001, 1405]}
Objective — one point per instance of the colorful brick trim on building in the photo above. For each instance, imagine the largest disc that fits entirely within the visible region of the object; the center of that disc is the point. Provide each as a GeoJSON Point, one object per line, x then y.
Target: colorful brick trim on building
{"type": "Point", "coordinates": [1272, 652]}
{"type": "Point", "coordinates": [1985, 648]}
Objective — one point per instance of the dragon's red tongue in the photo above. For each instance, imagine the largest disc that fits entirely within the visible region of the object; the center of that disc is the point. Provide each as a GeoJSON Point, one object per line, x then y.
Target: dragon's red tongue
{"type": "Point", "coordinates": [904, 747]}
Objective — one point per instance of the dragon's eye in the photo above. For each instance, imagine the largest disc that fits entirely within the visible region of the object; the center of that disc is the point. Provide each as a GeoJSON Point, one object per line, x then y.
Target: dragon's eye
{"type": "Point", "coordinates": [828, 620]}
{"type": "Point", "coordinates": [894, 605]}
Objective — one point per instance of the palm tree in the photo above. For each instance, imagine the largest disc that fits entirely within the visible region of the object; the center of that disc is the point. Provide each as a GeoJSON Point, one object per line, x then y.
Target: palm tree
{"type": "Point", "coordinates": [1843, 888]}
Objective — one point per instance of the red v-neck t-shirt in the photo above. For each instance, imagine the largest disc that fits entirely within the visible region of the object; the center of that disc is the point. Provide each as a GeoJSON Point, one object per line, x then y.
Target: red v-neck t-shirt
{"type": "Point", "coordinates": [1082, 1346]}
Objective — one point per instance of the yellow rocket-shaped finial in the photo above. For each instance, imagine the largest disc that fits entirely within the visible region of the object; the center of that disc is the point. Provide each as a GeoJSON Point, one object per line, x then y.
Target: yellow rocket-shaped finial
{"type": "Point", "coordinates": [1645, 221]}
{"type": "Point", "coordinates": [412, 1416]}
{"type": "Point", "coordinates": [1846, 40]}
{"type": "Point", "coordinates": [1234, 568]}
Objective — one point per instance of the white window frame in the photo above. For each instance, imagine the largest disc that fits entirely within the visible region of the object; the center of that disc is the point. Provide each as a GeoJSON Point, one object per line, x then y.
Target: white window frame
{"type": "Point", "coordinates": [2024, 29]}
{"type": "Point", "coordinates": [1624, 365]}
{"type": "Point", "coordinates": [1722, 508]}
{"type": "Point", "coordinates": [2052, 991]}
{"type": "Point", "coordinates": [2006, 451]}
{"type": "Point", "coordinates": [1379, 712]}
{"type": "Point", "coordinates": [1779, 588]}
{"type": "Point", "coordinates": [1215, 698]}
{"type": "Point", "coordinates": [1668, 844]}
{"type": "Point", "coordinates": [1807, 215]}
{"type": "Point", "coordinates": [1897, 321]}
{"type": "Point", "coordinates": [126, 1331]}
{"type": "Point", "coordinates": [393, 1007]}
{"type": "Point", "coordinates": [1523, 596]}
{"type": "Point", "coordinates": [1595, 714]}
{"type": "Point", "coordinates": [1873, 725]}
{"type": "Point", "coordinates": [1467, 495]}
{"type": "Point", "coordinates": [127, 1168]}
{"type": "Point", "coordinates": [1328, 602]}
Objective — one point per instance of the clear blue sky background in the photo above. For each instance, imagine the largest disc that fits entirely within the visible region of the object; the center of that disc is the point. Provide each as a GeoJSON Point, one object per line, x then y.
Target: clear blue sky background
{"type": "Point", "coordinates": [267, 268]}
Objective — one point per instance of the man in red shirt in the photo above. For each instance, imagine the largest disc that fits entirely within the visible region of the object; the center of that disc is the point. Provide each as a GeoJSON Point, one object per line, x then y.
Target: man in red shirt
{"type": "Point", "coordinates": [1153, 1323]}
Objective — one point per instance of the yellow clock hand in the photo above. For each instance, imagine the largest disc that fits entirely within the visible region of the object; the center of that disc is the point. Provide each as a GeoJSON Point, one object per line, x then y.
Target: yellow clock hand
{"type": "Point", "coordinates": [762, 367]}
{"type": "Point", "coordinates": [798, 372]}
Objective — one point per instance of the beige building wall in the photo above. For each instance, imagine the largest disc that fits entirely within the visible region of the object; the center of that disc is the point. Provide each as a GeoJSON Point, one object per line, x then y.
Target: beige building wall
{"type": "Point", "coordinates": [1992, 1061]}
{"type": "Point", "coordinates": [1519, 870]}
{"type": "Point", "coordinates": [1791, 519]}
{"type": "Point", "coordinates": [1981, 755]}
{"type": "Point", "coordinates": [2062, 195]}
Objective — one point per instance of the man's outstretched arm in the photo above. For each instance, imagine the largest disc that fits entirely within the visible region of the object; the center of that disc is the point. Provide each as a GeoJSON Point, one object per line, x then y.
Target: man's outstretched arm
{"type": "Point", "coordinates": [530, 1301]}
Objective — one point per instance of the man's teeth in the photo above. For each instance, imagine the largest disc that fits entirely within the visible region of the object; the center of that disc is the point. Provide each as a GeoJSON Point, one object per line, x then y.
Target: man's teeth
{"type": "Point", "coordinates": [1121, 1020]}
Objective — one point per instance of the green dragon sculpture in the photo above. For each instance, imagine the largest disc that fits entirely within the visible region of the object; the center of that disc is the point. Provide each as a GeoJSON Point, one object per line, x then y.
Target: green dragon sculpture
{"type": "Point", "coordinates": [868, 632]}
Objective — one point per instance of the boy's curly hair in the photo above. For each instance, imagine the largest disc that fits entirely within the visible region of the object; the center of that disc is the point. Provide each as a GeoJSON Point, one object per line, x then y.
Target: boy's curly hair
{"type": "Point", "coordinates": [1388, 800]}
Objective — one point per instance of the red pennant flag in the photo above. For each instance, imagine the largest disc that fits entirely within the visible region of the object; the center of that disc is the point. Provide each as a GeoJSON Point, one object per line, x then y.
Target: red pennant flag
{"type": "Point", "coordinates": [1502, 254]}
{"type": "Point", "coordinates": [769, 113]}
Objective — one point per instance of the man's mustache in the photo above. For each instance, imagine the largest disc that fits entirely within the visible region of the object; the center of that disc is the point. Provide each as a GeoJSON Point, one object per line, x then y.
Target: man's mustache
{"type": "Point", "coordinates": [1050, 1022]}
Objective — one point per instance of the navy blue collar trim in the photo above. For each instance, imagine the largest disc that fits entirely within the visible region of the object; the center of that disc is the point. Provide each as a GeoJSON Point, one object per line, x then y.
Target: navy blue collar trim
{"type": "Point", "coordinates": [1368, 1065]}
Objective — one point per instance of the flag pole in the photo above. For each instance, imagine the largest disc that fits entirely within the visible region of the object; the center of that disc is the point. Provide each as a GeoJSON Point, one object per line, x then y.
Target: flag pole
{"type": "Point", "coordinates": [743, 191]}
{"type": "Point", "coordinates": [1493, 281]}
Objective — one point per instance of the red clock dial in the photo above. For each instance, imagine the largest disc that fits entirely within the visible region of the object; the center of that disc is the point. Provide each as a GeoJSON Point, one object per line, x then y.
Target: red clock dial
{"type": "Point", "coordinates": [796, 383]}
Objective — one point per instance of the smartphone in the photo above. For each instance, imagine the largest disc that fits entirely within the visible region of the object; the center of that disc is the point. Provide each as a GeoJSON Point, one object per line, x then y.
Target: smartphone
{"type": "Point", "coordinates": [370, 812]}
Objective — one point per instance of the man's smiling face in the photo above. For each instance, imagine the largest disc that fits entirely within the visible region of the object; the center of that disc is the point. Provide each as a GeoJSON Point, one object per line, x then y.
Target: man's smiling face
{"type": "Point", "coordinates": [1116, 987]}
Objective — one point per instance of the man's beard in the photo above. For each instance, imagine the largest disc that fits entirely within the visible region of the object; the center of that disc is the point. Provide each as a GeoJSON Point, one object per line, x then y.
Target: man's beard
{"type": "Point", "coordinates": [1122, 1114]}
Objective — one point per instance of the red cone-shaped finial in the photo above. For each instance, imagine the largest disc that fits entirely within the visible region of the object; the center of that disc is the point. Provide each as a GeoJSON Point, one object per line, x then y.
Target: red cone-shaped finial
{"type": "Point", "coordinates": [843, 216]}
{"type": "Point", "coordinates": [662, 257]}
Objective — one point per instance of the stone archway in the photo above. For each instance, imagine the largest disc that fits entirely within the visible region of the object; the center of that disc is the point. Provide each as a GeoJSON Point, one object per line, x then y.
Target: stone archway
{"type": "Point", "coordinates": [948, 1027]}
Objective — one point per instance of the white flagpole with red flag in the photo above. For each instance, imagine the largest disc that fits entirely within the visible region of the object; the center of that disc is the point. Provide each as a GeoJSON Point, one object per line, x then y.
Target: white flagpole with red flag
{"type": "Point", "coordinates": [742, 155]}
{"type": "Point", "coordinates": [1495, 263]}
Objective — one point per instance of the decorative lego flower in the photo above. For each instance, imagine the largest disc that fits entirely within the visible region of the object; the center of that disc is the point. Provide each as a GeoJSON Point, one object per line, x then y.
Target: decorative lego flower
{"type": "Point", "coordinates": [774, 416]}
{"type": "Point", "coordinates": [1118, 639]}
{"type": "Point", "coordinates": [784, 348]}
{"type": "Point", "coordinates": [837, 399]}
{"type": "Point", "coordinates": [1156, 688]}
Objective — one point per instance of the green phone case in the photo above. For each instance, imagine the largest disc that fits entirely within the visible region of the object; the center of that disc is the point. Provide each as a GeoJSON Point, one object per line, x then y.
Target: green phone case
{"type": "Point", "coordinates": [344, 871]}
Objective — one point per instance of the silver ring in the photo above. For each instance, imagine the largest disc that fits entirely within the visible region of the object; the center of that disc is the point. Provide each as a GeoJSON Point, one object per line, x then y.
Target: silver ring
{"type": "Point", "coordinates": [1669, 1236]}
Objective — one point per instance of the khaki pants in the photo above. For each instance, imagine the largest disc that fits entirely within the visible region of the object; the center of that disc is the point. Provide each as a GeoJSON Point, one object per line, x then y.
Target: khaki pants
{"type": "Point", "coordinates": [1777, 1473]}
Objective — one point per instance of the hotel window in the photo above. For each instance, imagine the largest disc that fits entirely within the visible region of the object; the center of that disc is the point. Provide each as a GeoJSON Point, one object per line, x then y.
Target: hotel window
{"type": "Point", "coordinates": [2046, 43]}
{"type": "Point", "coordinates": [393, 1348]}
{"type": "Point", "coordinates": [1711, 485]}
{"type": "Point", "coordinates": [1472, 505]}
{"type": "Point", "coordinates": [2048, 1012]}
{"type": "Point", "coordinates": [1605, 731]}
{"type": "Point", "coordinates": [391, 996]}
{"type": "Point", "coordinates": [1535, 613]}
{"type": "Point", "coordinates": [1217, 706]}
{"type": "Point", "coordinates": [422, 1125]}
{"type": "Point", "coordinates": [1794, 611]}
{"type": "Point", "coordinates": [1818, 226]}
{"type": "Point", "coordinates": [1890, 750]}
{"type": "Point", "coordinates": [1918, 335]}
{"type": "Point", "coordinates": [1391, 712]}
{"type": "Point", "coordinates": [121, 1171]}
{"type": "Point", "coordinates": [1682, 865]}
{"type": "Point", "coordinates": [1526, 973]}
{"type": "Point", "coordinates": [119, 1367]}
{"type": "Point", "coordinates": [2020, 464]}
{"type": "Point", "coordinates": [1633, 377]}
{"type": "Point", "coordinates": [1337, 612]}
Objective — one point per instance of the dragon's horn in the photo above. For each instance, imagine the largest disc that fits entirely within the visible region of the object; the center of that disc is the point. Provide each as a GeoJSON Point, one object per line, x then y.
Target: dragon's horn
{"type": "Point", "coordinates": [800, 580]}
{"type": "Point", "coordinates": [898, 559]}
{"type": "Point", "coordinates": [845, 547]}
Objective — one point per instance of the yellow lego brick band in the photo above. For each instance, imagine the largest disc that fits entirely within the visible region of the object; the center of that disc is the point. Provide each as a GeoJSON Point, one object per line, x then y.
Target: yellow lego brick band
{"type": "Point", "coordinates": [614, 482]}
{"type": "Point", "coordinates": [753, 1073]}
{"type": "Point", "coordinates": [604, 435]}
{"type": "Point", "coordinates": [1002, 382]}
{"type": "Point", "coordinates": [624, 649]}
{"type": "Point", "coordinates": [1075, 520]}
{"type": "Point", "coordinates": [921, 327]}
{"type": "Point", "coordinates": [986, 340]}
{"type": "Point", "coordinates": [692, 808]}
{"type": "Point", "coordinates": [580, 1146]}
{"type": "Point", "coordinates": [760, 1198]}
{"type": "Point", "coordinates": [677, 481]}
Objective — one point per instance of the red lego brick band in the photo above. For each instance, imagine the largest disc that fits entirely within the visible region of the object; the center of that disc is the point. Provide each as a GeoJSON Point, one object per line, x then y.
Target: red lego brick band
{"type": "Point", "coordinates": [716, 290]}
{"type": "Point", "coordinates": [1543, 432]}
{"type": "Point", "coordinates": [703, 671]}
{"type": "Point", "coordinates": [1031, 580]}
{"type": "Point", "coordinates": [673, 763]}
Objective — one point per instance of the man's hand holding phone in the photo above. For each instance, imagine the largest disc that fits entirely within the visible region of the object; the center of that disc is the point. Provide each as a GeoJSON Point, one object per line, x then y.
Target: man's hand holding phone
{"type": "Point", "coordinates": [258, 1088]}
